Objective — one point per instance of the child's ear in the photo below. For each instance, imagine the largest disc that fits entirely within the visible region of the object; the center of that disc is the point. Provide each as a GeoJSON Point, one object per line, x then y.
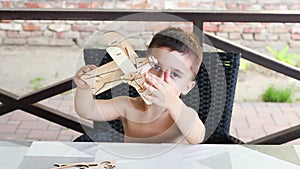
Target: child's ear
{"type": "Point", "coordinates": [188, 87]}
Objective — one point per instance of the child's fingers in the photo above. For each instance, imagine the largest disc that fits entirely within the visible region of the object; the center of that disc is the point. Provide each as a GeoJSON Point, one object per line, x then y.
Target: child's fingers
{"type": "Point", "coordinates": [80, 83]}
{"type": "Point", "coordinates": [92, 67]}
{"type": "Point", "coordinates": [149, 87]}
{"type": "Point", "coordinates": [155, 81]}
{"type": "Point", "coordinates": [85, 69]}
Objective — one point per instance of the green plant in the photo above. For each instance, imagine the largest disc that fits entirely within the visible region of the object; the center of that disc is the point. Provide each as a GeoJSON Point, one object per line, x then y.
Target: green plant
{"type": "Point", "coordinates": [283, 55]}
{"type": "Point", "coordinates": [244, 65]}
{"type": "Point", "coordinates": [36, 82]}
{"type": "Point", "coordinates": [275, 94]}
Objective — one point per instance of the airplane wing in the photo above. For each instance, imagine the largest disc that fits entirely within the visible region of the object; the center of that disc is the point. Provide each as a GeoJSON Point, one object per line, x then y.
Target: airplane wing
{"type": "Point", "coordinates": [117, 40]}
{"type": "Point", "coordinates": [103, 78]}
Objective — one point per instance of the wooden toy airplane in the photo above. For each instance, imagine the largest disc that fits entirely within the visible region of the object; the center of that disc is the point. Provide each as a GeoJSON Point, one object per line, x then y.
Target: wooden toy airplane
{"type": "Point", "coordinates": [92, 165]}
{"type": "Point", "coordinates": [126, 67]}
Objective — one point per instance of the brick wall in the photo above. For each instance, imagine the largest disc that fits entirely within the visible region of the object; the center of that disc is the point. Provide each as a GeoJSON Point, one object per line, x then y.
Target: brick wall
{"type": "Point", "coordinates": [70, 33]}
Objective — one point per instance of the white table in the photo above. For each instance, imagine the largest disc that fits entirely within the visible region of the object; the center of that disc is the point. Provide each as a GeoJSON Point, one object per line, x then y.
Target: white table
{"type": "Point", "coordinates": [42, 155]}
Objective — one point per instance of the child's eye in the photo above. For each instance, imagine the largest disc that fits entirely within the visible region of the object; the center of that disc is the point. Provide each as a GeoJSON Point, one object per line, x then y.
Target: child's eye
{"type": "Point", "coordinates": [175, 75]}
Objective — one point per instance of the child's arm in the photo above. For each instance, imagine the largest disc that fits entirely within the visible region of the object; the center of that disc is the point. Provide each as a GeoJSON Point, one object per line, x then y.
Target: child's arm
{"type": "Point", "coordinates": [89, 108]}
{"type": "Point", "coordinates": [186, 118]}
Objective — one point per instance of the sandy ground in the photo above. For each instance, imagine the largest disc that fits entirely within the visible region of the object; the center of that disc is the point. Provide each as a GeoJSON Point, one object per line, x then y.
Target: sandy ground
{"type": "Point", "coordinates": [20, 64]}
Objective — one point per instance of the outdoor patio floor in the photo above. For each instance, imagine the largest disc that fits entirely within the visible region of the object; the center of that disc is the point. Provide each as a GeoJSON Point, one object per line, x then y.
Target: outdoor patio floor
{"type": "Point", "coordinates": [249, 121]}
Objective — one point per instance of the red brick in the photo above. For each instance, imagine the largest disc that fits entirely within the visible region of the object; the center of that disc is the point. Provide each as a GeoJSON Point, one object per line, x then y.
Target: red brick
{"type": "Point", "coordinates": [5, 21]}
{"type": "Point", "coordinates": [231, 5]}
{"type": "Point", "coordinates": [252, 29]}
{"type": "Point", "coordinates": [60, 35]}
{"type": "Point", "coordinates": [243, 6]}
{"type": "Point", "coordinates": [219, 4]}
{"type": "Point", "coordinates": [210, 28]}
{"type": "Point", "coordinates": [82, 5]}
{"type": "Point", "coordinates": [7, 4]}
{"type": "Point", "coordinates": [44, 5]}
{"type": "Point", "coordinates": [36, 34]}
{"type": "Point", "coordinates": [32, 5]}
{"type": "Point", "coordinates": [12, 34]}
{"type": "Point", "coordinates": [31, 27]}
{"type": "Point", "coordinates": [229, 28]}
{"type": "Point", "coordinates": [140, 6]}
{"type": "Point", "coordinates": [296, 36]}
{"type": "Point", "coordinates": [83, 28]}
{"type": "Point", "coordinates": [183, 4]}
{"type": "Point", "coordinates": [95, 5]}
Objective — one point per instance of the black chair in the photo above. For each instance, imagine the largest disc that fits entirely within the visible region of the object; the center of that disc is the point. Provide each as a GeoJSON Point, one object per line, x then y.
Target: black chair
{"type": "Point", "coordinates": [212, 97]}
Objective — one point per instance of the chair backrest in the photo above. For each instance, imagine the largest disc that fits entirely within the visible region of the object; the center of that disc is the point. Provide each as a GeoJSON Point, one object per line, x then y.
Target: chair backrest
{"type": "Point", "coordinates": [212, 97]}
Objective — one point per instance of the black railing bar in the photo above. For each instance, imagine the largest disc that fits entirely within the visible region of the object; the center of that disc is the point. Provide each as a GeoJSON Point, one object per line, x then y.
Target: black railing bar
{"type": "Point", "coordinates": [6, 96]}
{"type": "Point", "coordinates": [5, 108]}
{"type": "Point", "coordinates": [48, 91]}
{"type": "Point", "coordinates": [280, 137]}
{"type": "Point", "coordinates": [57, 116]}
{"type": "Point", "coordinates": [103, 15]}
{"type": "Point", "coordinates": [198, 28]}
{"type": "Point", "coordinates": [189, 15]}
{"type": "Point", "coordinates": [253, 56]}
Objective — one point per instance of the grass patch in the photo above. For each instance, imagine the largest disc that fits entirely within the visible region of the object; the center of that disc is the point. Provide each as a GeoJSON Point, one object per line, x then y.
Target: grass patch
{"type": "Point", "coordinates": [244, 65]}
{"type": "Point", "coordinates": [283, 55]}
{"type": "Point", "coordinates": [36, 82]}
{"type": "Point", "coordinates": [274, 94]}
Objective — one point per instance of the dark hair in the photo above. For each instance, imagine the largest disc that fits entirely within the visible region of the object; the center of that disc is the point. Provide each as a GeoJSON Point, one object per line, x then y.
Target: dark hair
{"type": "Point", "coordinates": [176, 39]}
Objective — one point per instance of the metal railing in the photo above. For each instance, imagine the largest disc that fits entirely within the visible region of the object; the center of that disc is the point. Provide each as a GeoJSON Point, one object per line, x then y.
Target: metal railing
{"type": "Point", "coordinates": [28, 103]}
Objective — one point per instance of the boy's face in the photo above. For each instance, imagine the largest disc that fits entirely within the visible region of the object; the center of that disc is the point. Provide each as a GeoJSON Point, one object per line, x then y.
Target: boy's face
{"type": "Point", "coordinates": [179, 66]}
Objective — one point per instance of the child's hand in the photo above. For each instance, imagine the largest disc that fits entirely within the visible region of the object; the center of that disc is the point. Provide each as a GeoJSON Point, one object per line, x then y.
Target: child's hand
{"type": "Point", "coordinates": [77, 78]}
{"type": "Point", "coordinates": [163, 90]}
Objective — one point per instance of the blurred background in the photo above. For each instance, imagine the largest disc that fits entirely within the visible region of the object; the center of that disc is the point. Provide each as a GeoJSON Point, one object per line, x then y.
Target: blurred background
{"type": "Point", "coordinates": [38, 53]}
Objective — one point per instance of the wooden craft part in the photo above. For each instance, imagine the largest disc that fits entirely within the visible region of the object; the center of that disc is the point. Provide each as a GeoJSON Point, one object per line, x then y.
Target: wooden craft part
{"type": "Point", "coordinates": [132, 75]}
{"type": "Point", "coordinates": [103, 78]}
{"type": "Point", "coordinates": [92, 165]}
{"type": "Point", "coordinates": [115, 39]}
{"type": "Point", "coordinates": [126, 67]}
{"type": "Point", "coordinates": [121, 59]}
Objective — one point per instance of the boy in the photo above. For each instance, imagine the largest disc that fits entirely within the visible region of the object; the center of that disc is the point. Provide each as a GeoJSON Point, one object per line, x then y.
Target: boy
{"type": "Point", "coordinates": [167, 119]}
